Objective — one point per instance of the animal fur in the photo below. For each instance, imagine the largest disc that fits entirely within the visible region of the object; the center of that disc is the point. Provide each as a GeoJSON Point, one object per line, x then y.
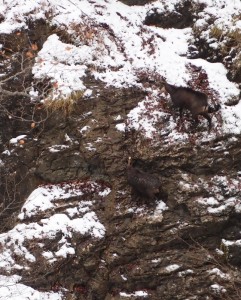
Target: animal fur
{"type": "Point", "coordinates": [144, 183]}
{"type": "Point", "coordinates": [186, 98]}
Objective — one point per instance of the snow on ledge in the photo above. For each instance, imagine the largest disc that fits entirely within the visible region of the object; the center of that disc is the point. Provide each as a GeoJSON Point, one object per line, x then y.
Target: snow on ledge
{"type": "Point", "coordinates": [11, 289]}
{"type": "Point", "coordinates": [17, 139]}
{"type": "Point", "coordinates": [158, 212]}
{"type": "Point", "coordinates": [74, 217]}
{"type": "Point", "coordinates": [63, 64]}
{"type": "Point", "coordinates": [12, 243]}
{"type": "Point", "coordinates": [172, 268]}
{"type": "Point", "coordinates": [135, 294]}
{"type": "Point", "coordinates": [121, 51]}
{"type": "Point", "coordinates": [47, 197]}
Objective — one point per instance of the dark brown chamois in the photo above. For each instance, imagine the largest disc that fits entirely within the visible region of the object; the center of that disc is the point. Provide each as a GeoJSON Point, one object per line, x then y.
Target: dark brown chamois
{"type": "Point", "coordinates": [146, 184]}
{"type": "Point", "coordinates": [186, 98]}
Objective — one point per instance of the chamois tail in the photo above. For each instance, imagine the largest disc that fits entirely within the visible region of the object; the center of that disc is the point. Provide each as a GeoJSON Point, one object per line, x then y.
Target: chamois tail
{"type": "Point", "coordinates": [214, 109]}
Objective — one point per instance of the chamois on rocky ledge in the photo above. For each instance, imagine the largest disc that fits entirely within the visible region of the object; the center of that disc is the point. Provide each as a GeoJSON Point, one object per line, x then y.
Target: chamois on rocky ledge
{"type": "Point", "coordinates": [186, 98]}
{"type": "Point", "coordinates": [145, 184]}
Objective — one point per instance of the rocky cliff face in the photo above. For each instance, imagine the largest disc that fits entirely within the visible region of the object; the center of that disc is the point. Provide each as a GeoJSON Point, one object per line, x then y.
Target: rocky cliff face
{"type": "Point", "coordinates": [72, 228]}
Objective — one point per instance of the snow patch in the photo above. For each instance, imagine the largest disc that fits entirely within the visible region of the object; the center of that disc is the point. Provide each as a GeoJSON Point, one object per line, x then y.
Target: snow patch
{"type": "Point", "coordinates": [172, 268]}
{"type": "Point", "coordinates": [10, 288]}
{"type": "Point", "coordinates": [17, 139]}
{"type": "Point", "coordinates": [135, 294]}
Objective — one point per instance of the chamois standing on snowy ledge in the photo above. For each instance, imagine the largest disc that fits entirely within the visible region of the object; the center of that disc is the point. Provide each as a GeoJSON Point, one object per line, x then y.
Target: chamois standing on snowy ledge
{"type": "Point", "coordinates": [196, 102]}
{"type": "Point", "coordinates": [146, 184]}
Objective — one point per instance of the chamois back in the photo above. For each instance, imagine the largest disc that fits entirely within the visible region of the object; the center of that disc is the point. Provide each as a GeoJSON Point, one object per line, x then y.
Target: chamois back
{"type": "Point", "coordinates": [186, 98]}
{"type": "Point", "coordinates": [142, 182]}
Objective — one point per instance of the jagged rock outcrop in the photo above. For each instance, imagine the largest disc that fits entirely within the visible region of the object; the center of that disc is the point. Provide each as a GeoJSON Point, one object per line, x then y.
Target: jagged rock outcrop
{"type": "Point", "coordinates": [176, 252]}
{"type": "Point", "coordinates": [181, 17]}
{"type": "Point", "coordinates": [183, 246]}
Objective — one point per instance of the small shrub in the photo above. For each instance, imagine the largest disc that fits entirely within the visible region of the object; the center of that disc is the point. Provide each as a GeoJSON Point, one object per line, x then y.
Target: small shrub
{"type": "Point", "coordinates": [216, 32]}
{"type": "Point", "coordinates": [224, 248]}
{"type": "Point", "coordinates": [82, 33]}
{"type": "Point", "coordinates": [235, 36]}
{"type": "Point", "coordinates": [232, 39]}
{"type": "Point", "coordinates": [62, 103]}
{"type": "Point", "coordinates": [197, 30]}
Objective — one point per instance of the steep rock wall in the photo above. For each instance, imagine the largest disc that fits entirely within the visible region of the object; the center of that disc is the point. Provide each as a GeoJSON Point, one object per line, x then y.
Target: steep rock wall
{"type": "Point", "coordinates": [178, 251]}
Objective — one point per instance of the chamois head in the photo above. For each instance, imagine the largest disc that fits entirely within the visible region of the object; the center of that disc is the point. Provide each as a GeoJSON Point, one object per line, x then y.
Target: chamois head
{"type": "Point", "coordinates": [163, 89]}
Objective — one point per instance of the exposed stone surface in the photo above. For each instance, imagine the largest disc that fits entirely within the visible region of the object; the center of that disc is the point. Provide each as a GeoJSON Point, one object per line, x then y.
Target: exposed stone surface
{"type": "Point", "coordinates": [166, 257]}
{"type": "Point", "coordinates": [136, 2]}
{"type": "Point", "coordinates": [181, 17]}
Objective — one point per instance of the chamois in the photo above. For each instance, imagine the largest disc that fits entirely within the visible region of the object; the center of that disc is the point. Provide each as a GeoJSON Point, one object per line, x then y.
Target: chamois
{"type": "Point", "coordinates": [144, 183]}
{"type": "Point", "coordinates": [196, 102]}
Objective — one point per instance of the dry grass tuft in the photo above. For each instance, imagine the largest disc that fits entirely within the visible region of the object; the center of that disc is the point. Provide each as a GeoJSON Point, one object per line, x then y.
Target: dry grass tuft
{"type": "Point", "coordinates": [216, 32]}
{"type": "Point", "coordinates": [235, 36]}
{"type": "Point", "coordinates": [64, 104]}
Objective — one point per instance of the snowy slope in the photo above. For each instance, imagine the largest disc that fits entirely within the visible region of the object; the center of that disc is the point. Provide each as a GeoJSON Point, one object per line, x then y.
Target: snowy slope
{"type": "Point", "coordinates": [11, 289]}
{"type": "Point", "coordinates": [108, 39]}
{"type": "Point", "coordinates": [76, 217]}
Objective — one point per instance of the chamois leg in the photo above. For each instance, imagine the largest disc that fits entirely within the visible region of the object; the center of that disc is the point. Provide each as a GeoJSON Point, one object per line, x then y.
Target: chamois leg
{"type": "Point", "coordinates": [180, 121]}
{"type": "Point", "coordinates": [180, 112]}
{"type": "Point", "coordinates": [194, 122]}
{"type": "Point", "coordinates": [195, 118]}
{"type": "Point", "coordinates": [206, 116]}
